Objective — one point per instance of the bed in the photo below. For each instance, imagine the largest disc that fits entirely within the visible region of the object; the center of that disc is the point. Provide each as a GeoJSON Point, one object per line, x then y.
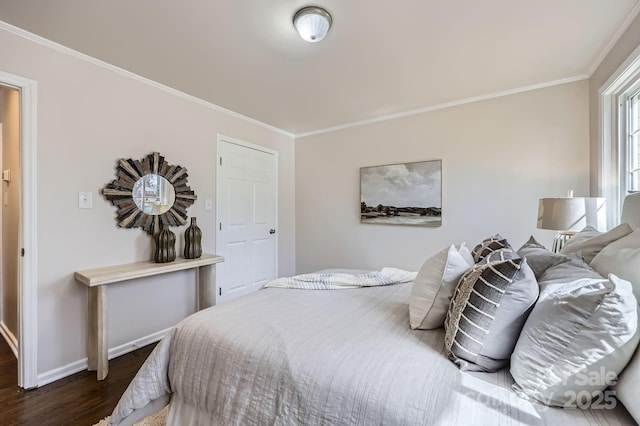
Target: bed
{"type": "Point", "coordinates": [316, 357]}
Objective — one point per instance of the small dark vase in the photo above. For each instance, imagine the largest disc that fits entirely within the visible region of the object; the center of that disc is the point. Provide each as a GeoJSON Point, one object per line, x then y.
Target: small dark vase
{"type": "Point", "coordinates": [192, 241]}
{"type": "Point", "coordinates": [165, 246]}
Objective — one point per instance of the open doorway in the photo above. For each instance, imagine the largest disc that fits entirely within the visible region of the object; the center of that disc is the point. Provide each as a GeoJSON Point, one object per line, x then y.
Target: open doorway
{"type": "Point", "coordinates": [10, 219]}
{"type": "Point", "coordinates": [18, 191]}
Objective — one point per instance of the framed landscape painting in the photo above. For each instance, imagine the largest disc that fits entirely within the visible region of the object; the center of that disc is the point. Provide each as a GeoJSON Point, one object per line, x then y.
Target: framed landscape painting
{"type": "Point", "coordinates": [402, 194]}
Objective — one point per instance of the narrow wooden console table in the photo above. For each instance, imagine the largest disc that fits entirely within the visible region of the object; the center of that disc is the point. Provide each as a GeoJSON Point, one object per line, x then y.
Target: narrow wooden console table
{"type": "Point", "coordinates": [97, 279]}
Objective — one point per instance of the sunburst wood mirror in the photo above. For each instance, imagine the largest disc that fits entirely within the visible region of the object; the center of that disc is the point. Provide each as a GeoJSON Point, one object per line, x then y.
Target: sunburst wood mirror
{"type": "Point", "coordinates": [149, 193]}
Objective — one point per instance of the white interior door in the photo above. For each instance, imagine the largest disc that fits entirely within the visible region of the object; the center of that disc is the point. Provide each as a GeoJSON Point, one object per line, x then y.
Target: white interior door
{"type": "Point", "coordinates": [246, 203]}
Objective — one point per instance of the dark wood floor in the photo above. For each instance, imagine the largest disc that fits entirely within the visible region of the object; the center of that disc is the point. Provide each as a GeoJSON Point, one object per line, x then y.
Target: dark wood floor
{"type": "Point", "coordinates": [76, 400]}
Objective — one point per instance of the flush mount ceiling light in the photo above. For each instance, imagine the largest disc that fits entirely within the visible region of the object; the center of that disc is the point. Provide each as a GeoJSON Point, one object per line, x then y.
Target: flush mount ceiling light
{"type": "Point", "coordinates": [312, 23]}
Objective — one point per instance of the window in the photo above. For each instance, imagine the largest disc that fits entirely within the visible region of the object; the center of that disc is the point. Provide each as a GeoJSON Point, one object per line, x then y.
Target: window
{"type": "Point", "coordinates": [619, 168]}
{"type": "Point", "coordinates": [630, 147]}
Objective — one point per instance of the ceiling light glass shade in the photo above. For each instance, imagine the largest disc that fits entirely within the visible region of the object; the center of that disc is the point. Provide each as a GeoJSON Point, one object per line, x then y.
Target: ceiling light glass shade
{"type": "Point", "coordinates": [572, 214]}
{"type": "Point", "coordinates": [312, 23]}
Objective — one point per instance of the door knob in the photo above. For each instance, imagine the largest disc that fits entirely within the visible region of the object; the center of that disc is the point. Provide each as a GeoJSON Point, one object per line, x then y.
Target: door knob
{"type": "Point", "coordinates": [272, 231]}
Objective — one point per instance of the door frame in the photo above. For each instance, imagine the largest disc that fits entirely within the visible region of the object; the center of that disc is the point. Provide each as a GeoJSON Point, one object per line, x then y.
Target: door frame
{"type": "Point", "coordinates": [227, 139]}
{"type": "Point", "coordinates": [27, 265]}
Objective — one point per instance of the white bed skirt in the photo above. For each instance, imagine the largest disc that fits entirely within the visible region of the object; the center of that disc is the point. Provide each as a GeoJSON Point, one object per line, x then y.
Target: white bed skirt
{"type": "Point", "coordinates": [182, 413]}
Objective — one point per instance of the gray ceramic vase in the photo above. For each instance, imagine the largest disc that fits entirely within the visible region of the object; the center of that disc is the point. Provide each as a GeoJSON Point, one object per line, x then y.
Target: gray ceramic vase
{"type": "Point", "coordinates": [192, 241]}
{"type": "Point", "coordinates": [165, 246]}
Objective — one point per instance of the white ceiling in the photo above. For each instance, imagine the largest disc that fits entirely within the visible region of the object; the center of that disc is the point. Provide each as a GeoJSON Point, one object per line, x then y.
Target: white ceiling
{"type": "Point", "coordinates": [380, 57]}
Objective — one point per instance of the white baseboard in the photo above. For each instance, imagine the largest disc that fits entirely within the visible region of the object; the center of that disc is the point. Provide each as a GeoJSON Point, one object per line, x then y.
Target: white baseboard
{"type": "Point", "coordinates": [10, 338]}
{"type": "Point", "coordinates": [81, 365]}
{"type": "Point", "coordinates": [61, 372]}
{"type": "Point", "coordinates": [138, 343]}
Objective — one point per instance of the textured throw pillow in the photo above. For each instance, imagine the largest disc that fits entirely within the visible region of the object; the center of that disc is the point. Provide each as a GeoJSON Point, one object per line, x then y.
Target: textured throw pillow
{"type": "Point", "coordinates": [589, 242]}
{"type": "Point", "coordinates": [622, 258]}
{"type": "Point", "coordinates": [577, 339]}
{"type": "Point", "coordinates": [433, 287]}
{"type": "Point", "coordinates": [488, 246]}
{"type": "Point", "coordinates": [487, 312]}
{"type": "Point", "coordinates": [538, 257]}
{"type": "Point", "coordinates": [499, 256]}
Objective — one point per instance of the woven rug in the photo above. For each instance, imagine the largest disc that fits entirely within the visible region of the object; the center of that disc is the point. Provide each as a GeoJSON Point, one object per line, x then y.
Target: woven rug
{"type": "Point", "coordinates": [157, 419]}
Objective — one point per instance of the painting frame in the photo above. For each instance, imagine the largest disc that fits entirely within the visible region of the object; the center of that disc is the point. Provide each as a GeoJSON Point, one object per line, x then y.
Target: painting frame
{"type": "Point", "coordinates": [407, 193]}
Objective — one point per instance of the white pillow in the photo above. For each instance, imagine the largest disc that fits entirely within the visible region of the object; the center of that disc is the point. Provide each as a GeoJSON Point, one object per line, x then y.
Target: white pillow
{"type": "Point", "coordinates": [585, 233]}
{"type": "Point", "coordinates": [578, 338]}
{"type": "Point", "coordinates": [627, 388]}
{"type": "Point", "coordinates": [622, 258]}
{"type": "Point", "coordinates": [589, 241]}
{"type": "Point", "coordinates": [433, 287]}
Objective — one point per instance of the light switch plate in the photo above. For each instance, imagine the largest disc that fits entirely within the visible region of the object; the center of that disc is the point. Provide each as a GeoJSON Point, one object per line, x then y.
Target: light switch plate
{"type": "Point", "coordinates": [208, 204]}
{"type": "Point", "coordinates": [85, 200]}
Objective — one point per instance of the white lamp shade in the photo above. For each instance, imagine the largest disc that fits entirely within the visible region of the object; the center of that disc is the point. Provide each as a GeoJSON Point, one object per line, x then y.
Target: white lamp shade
{"type": "Point", "coordinates": [572, 214]}
{"type": "Point", "coordinates": [312, 23]}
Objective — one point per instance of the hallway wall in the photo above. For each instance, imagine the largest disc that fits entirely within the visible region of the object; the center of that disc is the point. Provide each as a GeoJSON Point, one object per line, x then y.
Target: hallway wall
{"type": "Point", "coordinates": [9, 202]}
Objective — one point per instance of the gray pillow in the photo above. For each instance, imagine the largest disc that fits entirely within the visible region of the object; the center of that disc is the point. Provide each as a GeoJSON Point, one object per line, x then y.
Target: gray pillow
{"type": "Point", "coordinates": [571, 268]}
{"type": "Point", "coordinates": [487, 312]}
{"type": "Point", "coordinates": [589, 241]}
{"type": "Point", "coordinates": [538, 257]}
{"type": "Point", "coordinates": [579, 336]}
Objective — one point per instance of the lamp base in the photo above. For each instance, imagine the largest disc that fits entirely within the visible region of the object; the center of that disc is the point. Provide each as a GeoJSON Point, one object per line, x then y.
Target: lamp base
{"type": "Point", "coordinates": [561, 238]}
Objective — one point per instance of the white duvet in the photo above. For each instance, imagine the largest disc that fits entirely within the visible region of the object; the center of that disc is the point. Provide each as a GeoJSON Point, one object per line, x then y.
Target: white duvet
{"type": "Point", "coordinates": [348, 357]}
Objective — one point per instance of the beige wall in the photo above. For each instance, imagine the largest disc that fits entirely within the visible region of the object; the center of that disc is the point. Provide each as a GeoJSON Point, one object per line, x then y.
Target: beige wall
{"type": "Point", "coordinates": [629, 41]}
{"type": "Point", "coordinates": [88, 117]}
{"type": "Point", "coordinates": [10, 110]}
{"type": "Point", "coordinates": [498, 158]}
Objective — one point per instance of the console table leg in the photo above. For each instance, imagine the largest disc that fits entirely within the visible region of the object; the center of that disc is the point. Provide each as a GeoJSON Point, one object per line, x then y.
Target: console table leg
{"type": "Point", "coordinates": [206, 286]}
{"type": "Point", "coordinates": [98, 356]}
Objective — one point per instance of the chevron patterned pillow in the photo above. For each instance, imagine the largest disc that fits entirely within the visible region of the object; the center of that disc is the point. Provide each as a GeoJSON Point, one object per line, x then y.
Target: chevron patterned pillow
{"type": "Point", "coordinates": [488, 246]}
{"type": "Point", "coordinates": [487, 312]}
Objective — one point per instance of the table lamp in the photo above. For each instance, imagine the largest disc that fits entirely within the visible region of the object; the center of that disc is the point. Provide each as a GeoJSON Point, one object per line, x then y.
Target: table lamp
{"type": "Point", "coordinates": [569, 215]}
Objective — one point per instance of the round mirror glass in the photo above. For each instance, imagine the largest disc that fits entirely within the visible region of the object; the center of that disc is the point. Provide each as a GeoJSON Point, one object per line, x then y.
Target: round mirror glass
{"type": "Point", "coordinates": [153, 194]}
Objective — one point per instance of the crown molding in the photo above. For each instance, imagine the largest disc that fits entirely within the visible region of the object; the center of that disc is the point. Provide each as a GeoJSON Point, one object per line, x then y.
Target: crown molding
{"type": "Point", "coordinates": [446, 105]}
{"type": "Point", "coordinates": [616, 37]}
